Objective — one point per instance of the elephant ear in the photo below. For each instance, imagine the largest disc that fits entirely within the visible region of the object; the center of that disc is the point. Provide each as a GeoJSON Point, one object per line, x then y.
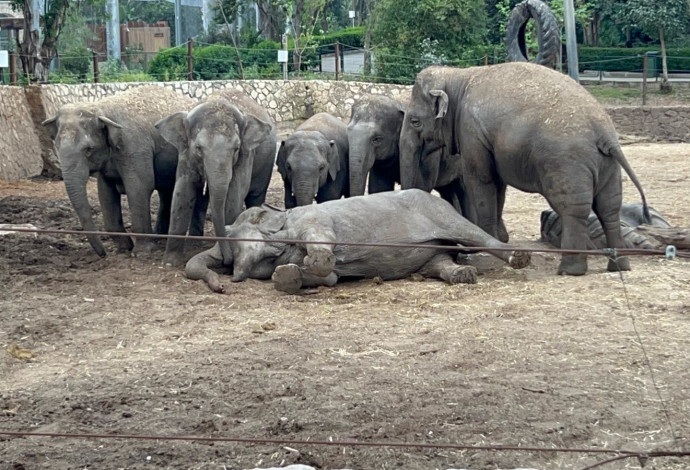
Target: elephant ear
{"type": "Point", "coordinates": [173, 129]}
{"type": "Point", "coordinates": [281, 161]}
{"type": "Point", "coordinates": [113, 131]}
{"type": "Point", "coordinates": [254, 132]}
{"type": "Point", "coordinates": [333, 159]}
{"type": "Point", "coordinates": [440, 103]}
{"type": "Point", "coordinates": [51, 125]}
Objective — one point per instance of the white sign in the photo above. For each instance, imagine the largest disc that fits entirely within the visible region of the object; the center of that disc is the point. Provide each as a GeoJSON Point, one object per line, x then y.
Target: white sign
{"type": "Point", "coordinates": [352, 14]}
{"type": "Point", "coordinates": [282, 55]}
{"type": "Point", "coordinates": [4, 59]}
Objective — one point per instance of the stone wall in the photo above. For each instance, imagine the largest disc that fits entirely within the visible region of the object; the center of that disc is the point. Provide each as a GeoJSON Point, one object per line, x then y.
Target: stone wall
{"type": "Point", "coordinates": [20, 151]}
{"type": "Point", "coordinates": [664, 123]}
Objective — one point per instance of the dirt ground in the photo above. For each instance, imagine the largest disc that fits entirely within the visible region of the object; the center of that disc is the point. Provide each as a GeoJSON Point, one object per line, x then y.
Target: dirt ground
{"type": "Point", "coordinates": [523, 358]}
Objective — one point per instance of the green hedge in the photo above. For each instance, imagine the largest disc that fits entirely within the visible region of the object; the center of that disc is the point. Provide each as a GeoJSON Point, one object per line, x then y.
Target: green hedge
{"type": "Point", "coordinates": [353, 37]}
{"type": "Point", "coordinates": [629, 59]}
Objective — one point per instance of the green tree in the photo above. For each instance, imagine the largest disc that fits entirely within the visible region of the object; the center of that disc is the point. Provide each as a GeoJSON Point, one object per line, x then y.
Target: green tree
{"type": "Point", "coordinates": [662, 20]}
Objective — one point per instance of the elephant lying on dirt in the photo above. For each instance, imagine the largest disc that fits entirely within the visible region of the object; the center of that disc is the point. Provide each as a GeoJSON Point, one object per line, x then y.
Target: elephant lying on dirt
{"type": "Point", "coordinates": [115, 140]}
{"type": "Point", "coordinates": [522, 125]}
{"type": "Point", "coordinates": [411, 216]}
{"type": "Point", "coordinates": [373, 134]}
{"type": "Point", "coordinates": [632, 216]}
{"type": "Point", "coordinates": [313, 161]}
{"type": "Point", "coordinates": [227, 142]}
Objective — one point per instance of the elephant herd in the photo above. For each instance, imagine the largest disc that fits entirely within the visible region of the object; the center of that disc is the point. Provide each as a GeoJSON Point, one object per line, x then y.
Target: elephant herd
{"type": "Point", "coordinates": [466, 133]}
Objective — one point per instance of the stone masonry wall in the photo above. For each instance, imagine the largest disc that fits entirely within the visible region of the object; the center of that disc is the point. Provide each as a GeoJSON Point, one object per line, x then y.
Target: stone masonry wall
{"type": "Point", "coordinates": [20, 151]}
{"type": "Point", "coordinates": [285, 101]}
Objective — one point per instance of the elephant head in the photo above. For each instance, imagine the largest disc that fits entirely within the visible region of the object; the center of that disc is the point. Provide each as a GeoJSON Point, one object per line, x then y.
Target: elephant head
{"type": "Point", "coordinates": [426, 134]}
{"type": "Point", "coordinates": [211, 139]}
{"type": "Point", "coordinates": [84, 140]}
{"type": "Point", "coordinates": [373, 134]}
{"type": "Point", "coordinates": [256, 259]}
{"type": "Point", "coordinates": [305, 161]}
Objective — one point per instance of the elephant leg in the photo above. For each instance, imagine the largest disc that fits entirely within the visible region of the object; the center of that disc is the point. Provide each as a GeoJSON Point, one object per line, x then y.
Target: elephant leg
{"type": "Point", "coordinates": [380, 182]}
{"type": "Point", "coordinates": [574, 209]}
{"type": "Point", "coordinates": [111, 206]}
{"type": "Point", "coordinates": [290, 278]}
{"type": "Point", "coordinates": [480, 183]}
{"type": "Point", "coordinates": [607, 206]}
{"type": "Point", "coordinates": [196, 227]}
{"type": "Point", "coordinates": [442, 266]}
{"type": "Point", "coordinates": [449, 193]}
{"type": "Point", "coordinates": [501, 200]}
{"type": "Point", "coordinates": [184, 199]}
{"type": "Point", "coordinates": [290, 200]}
{"type": "Point", "coordinates": [200, 267]}
{"type": "Point", "coordinates": [320, 260]}
{"type": "Point", "coordinates": [163, 216]}
{"type": "Point", "coordinates": [139, 190]}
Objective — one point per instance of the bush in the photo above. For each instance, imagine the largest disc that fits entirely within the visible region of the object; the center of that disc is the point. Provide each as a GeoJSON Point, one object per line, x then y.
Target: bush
{"type": "Point", "coordinates": [353, 37]}
{"type": "Point", "coordinates": [76, 62]}
{"type": "Point", "coordinates": [629, 59]}
{"type": "Point", "coordinates": [169, 64]}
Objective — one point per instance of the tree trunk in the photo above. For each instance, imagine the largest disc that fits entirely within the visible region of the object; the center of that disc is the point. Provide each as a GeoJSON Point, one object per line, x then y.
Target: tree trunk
{"type": "Point", "coordinates": [678, 237]}
{"type": "Point", "coordinates": [665, 84]}
{"type": "Point", "coordinates": [367, 38]}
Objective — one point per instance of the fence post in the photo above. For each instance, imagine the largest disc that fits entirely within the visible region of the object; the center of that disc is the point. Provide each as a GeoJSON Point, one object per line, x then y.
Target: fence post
{"type": "Point", "coordinates": [644, 79]}
{"type": "Point", "coordinates": [13, 68]}
{"type": "Point", "coordinates": [190, 60]}
{"type": "Point", "coordinates": [486, 60]}
{"type": "Point", "coordinates": [96, 73]}
{"type": "Point", "coordinates": [337, 60]}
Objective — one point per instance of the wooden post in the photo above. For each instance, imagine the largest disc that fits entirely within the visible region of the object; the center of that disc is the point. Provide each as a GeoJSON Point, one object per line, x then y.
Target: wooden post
{"type": "Point", "coordinates": [486, 60]}
{"type": "Point", "coordinates": [644, 79]}
{"type": "Point", "coordinates": [13, 68]}
{"type": "Point", "coordinates": [337, 60]}
{"type": "Point", "coordinates": [190, 60]}
{"type": "Point", "coordinates": [96, 73]}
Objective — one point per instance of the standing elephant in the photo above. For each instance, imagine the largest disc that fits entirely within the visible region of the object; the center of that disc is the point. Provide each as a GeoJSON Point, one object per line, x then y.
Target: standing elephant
{"type": "Point", "coordinates": [115, 140]}
{"type": "Point", "coordinates": [373, 134]}
{"type": "Point", "coordinates": [522, 125]}
{"type": "Point", "coordinates": [227, 142]}
{"type": "Point", "coordinates": [313, 161]}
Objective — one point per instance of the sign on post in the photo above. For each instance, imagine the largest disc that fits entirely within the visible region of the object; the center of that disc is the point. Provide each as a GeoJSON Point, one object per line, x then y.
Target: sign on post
{"type": "Point", "coordinates": [282, 56]}
{"type": "Point", "coordinates": [4, 59]}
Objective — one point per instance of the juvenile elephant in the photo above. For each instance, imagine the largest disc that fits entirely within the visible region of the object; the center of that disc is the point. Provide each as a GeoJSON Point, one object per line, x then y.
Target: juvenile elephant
{"type": "Point", "coordinates": [426, 219]}
{"type": "Point", "coordinates": [115, 140]}
{"type": "Point", "coordinates": [373, 134]}
{"type": "Point", "coordinates": [229, 142]}
{"type": "Point", "coordinates": [522, 125]}
{"type": "Point", "coordinates": [313, 161]}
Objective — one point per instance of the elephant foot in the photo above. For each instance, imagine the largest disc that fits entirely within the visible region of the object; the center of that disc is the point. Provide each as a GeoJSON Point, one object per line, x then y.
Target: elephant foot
{"type": "Point", "coordinates": [213, 281]}
{"type": "Point", "coordinates": [462, 275]}
{"type": "Point", "coordinates": [619, 264]}
{"type": "Point", "coordinates": [573, 265]}
{"type": "Point", "coordinates": [143, 246]}
{"type": "Point", "coordinates": [319, 262]}
{"type": "Point", "coordinates": [520, 259]}
{"type": "Point", "coordinates": [173, 259]}
{"type": "Point", "coordinates": [124, 244]}
{"type": "Point", "coordinates": [287, 278]}
{"type": "Point", "coordinates": [502, 232]}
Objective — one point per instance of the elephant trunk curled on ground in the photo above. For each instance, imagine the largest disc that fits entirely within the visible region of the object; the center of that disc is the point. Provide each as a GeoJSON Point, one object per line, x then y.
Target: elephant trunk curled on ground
{"type": "Point", "coordinates": [373, 134]}
{"type": "Point", "coordinates": [313, 161]}
{"type": "Point", "coordinates": [115, 140]}
{"type": "Point", "coordinates": [521, 125]}
{"type": "Point", "coordinates": [227, 142]}
{"type": "Point", "coordinates": [405, 217]}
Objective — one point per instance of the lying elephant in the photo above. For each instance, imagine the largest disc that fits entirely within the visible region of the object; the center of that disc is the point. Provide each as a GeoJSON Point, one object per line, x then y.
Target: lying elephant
{"type": "Point", "coordinates": [373, 134]}
{"type": "Point", "coordinates": [313, 161]}
{"type": "Point", "coordinates": [411, 216]}
{"type": "Point", "coordinates": [522, 125]}
{"type": "Point", "coordinates": [632, 216]}
{"type": "Point", "coordinates": [115, 140]}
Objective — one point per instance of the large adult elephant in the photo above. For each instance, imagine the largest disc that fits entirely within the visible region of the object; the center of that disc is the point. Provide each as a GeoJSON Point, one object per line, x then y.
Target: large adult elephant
{"type": "Point", "coordinates": [373, 134]}
{"type": "Point", "coordinates": [522, 125]}
{"type": "Point", "coordinates": [313, 161]}
{"type": "Point", "coordinates": [227, 142]}
{"type": "Point", "coordinates": [115, 140]}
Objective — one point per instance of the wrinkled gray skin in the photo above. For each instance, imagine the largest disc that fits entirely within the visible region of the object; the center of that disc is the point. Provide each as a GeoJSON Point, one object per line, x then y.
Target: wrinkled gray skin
{"type": "Point", "coordinates": [427, 220]}
{"type": "Point", "coordinates": [522, 125]}
{"type": "Point", "coordinates": [229, 142]}
{"type": "Point", "coordinates": [373, 134]}
{"type": "Point", "coordinates": [632, 216]}
{"type": "Point", "coordinates": [313, 161]}
{"type": "Point", "coordinates": [115, 140]}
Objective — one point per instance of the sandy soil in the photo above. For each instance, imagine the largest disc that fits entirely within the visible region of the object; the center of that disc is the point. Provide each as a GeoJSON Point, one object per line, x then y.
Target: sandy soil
{"type": "Point", "coordinates": [526, 358]}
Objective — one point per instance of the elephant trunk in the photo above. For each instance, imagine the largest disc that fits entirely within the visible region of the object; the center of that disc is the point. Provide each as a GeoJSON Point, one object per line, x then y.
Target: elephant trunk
{"type": "Point", "coordinates": [409, 163]}
{"type": "Point", "coordinates": [361, 161]}
{"type": "Point", "coordinates": [304, 192]}
{"type": "Point", "coordinates": [75, 177]}
{"type": "Point", "coordinates": [218, 183]}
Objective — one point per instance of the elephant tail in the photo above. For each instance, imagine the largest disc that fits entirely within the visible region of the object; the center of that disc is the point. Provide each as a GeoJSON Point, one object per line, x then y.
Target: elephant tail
{"type": "Point", "coordinates": [612, 148]}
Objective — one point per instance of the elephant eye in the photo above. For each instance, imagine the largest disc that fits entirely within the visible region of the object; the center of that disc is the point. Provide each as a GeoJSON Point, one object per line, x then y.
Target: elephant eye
{"type": "Point", "coordinates": [376, 140]}
{"type": "Point", "coordinates": [415, 122]}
